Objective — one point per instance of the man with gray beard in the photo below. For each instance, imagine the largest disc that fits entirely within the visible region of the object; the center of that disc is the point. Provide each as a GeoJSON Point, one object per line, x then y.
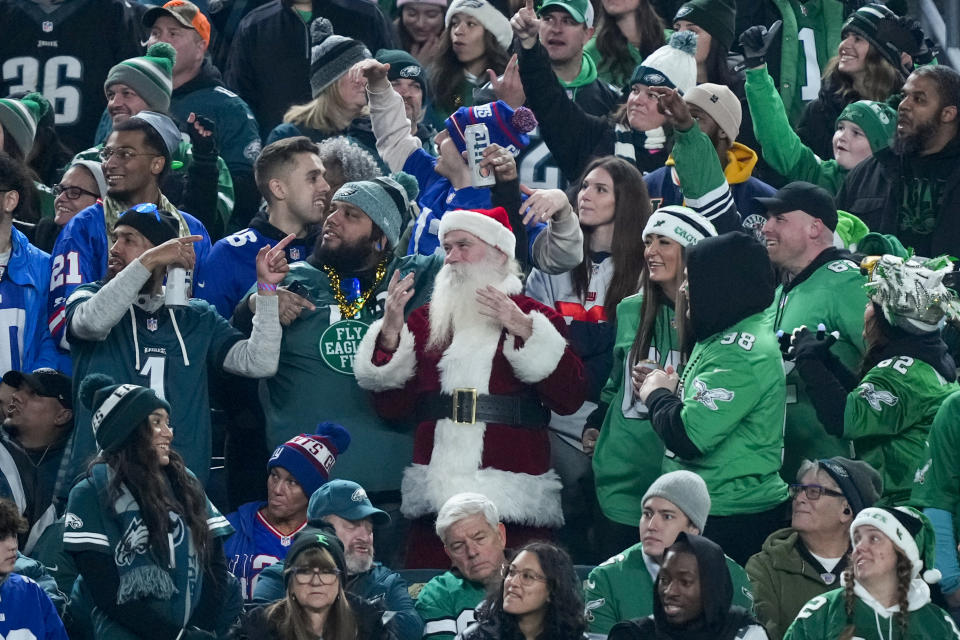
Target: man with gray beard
{"type": "Point", "coordinates": [479, 367]}
{"type": "Point", "coordinates": [911, 188]}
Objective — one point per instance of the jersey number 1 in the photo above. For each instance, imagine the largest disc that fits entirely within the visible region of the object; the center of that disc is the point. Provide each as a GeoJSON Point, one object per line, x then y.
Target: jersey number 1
{"type": "Point", "coordinates": [154, 369]}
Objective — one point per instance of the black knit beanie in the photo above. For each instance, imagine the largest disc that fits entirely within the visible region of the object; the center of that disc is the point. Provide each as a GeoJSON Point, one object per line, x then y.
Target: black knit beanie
{"type": "Point", "coordinates": [156, 225]}
{"type": "Point", "coordinates": [716, 17]}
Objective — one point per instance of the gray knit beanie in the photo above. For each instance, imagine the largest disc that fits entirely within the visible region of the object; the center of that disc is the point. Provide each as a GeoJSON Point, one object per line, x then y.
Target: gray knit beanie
{"type": "Point", "coordinates": [96, 170]}
{"type": "Point", "coordinates": [860, 483]}
{"type": "Point", "coordinates": [151, 75]}
{"type": "Point", "coordinates": [685, 489]}
{"type": "Point", "coordinates": [331, 56]}
{"type": "Point", "coordinates": [384, 200]}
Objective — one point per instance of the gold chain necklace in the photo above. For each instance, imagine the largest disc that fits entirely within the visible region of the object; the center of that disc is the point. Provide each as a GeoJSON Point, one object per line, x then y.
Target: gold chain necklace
{"type": "Point", "coordinates": [352, 309]}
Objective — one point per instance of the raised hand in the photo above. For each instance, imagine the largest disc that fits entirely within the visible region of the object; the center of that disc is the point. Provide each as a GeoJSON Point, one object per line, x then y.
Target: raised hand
{"type": "Point", "coordinates": [497, 305]}
{"type": "Point", "coordinates": [399, 292]}
{"type": "Point", "coordinates": [272, 265]}
{"type": "Point", "coordinates": [371, 73]}
{"type": "Point", "coordinates": [543, 204]}
{"type": "Point", "coordinates": [500, 161]}
{"type": "Point", "coordinates": [508, 86]}
{"type": "Point", "coordinates": [526, 25]}
{"type": "Point", "coordinates": [672, 105]}
{"type": "Point", "coordinates": [176, 252]}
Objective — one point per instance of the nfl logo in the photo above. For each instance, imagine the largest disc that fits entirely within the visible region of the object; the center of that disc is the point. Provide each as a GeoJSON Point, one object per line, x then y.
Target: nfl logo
{"type": "Point", "coordinates": [151, 324]}
{"type": "Point", "coordinates": [47, 26]}
{"type": "Point", "coordinates": [294, 254]}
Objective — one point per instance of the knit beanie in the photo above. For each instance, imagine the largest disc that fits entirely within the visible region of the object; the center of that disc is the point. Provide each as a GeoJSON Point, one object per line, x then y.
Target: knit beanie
{"type": "Point", "coordinates": [310, 456]}
{"type": "Point", "coordinates": [331, 56]}
{"type": "Point", "coordinates": [156, 225]}
{"type": "Point", "coordinates": [910, 531]}
{"type": "Point", "coordinates": [672, 65]}
{"type": "Point", "coordinates": [681, 224]}
{"type": "Point", "coordinates": [439, 3]}
{"type": "Point", "coordinates": [151, 75]}
{"type": "Point", "coordinates": [685, 489]}
{"type": "Point", "coordinates": [491, 19]}
{"type": "Point", "coordinates": [877, 119]}
{"type": "Point", "coordinates": [506, 127]}
{"type": "Point", "coordinates": [885, 31]}
{"type": "Point", "coordinates": [165, 127]}
{"type": "Point", "coordinates": [311, 537]}
{"type": "Point", "coordinates": [860, 483]}
{"type": "Point", "coordinates": [118, 409]}
{"type": "Point", "coordinates": [385, 200]}
{"type": "Point", "coordinates": [721, 104]}
{"type": "Point", "coordinates": [19, 118]}
{"type": "Point", "coordinates": [716, 17]}
{"type": "Point", "coordinates": [404, 65]}
{"type": "Point", "coordinates": [878, 244]}
{"type": "Point", "coordinates": [96, 170]}
{"type": "Point", "coordinates": [490, 225]}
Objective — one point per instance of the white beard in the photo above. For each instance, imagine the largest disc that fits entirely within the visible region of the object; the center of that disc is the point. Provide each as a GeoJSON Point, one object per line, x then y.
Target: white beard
{"type": "Point", "coordinates": [453, 304]}
{"type": "Point", "coordinates": [358, 563]}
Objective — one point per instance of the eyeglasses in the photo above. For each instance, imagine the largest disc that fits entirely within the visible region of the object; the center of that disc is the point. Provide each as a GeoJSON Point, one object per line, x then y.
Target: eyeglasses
{"type": "Point", "coordinates": [72, 192]}
{"type": "Point", "coordinates": [305, 575]}
{"type": "Point", "coordinates": [123, 154]}
{"type": "Point", "coordinates": [812, 491]}
{"type": "Point", "coordinates": [526, 577]}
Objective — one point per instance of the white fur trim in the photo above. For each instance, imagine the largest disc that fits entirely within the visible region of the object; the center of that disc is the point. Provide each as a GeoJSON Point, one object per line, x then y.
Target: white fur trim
{"type": "Point", "coordinates": [480, 225]}
{"type": "Point", "coordinates": [491, 19]}
{"type": "Point", "coordinates": [540, 355]}
{"type": "Point", "coordinates": [891, 527]}
{"type": "Point", "coordinates": [393, 375]}
{"type": "Point", "coordinates": [521, 498]}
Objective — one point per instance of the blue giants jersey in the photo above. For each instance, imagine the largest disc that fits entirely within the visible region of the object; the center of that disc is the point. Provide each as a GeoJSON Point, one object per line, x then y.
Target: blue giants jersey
{"type": "Point", "coordinates": [255, 546]}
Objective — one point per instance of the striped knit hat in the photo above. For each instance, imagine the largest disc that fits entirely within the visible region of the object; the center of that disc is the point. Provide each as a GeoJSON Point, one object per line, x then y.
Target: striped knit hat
{"type": "Point", "coordinates": [151, 76]}
{"type": "Point", "coordinates": [118, 409]}
{"type": "Point", "coordinates": [309, 457]}
{"type": "Point", "coordinates": [331, 56]}
{"type": "Point", "coordinates": [19, 118]}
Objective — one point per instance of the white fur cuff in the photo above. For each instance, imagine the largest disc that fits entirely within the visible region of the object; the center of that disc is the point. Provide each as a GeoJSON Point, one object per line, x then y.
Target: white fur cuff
{"type": "Point", "coordinates": [540, 354]}
{"type": "Point", "coordinates": [393, 375]}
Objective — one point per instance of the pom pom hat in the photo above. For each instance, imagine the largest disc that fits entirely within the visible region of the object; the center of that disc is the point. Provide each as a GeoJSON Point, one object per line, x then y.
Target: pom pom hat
{"type": "Point", "coordinates": [673, 65]}
{"type": "Point", "coordinates": [151, 75]}
{"type": "Point", "coordinates": [309, 457]}
{"type": "Point", "coordinates": [331, 56]}
{"type": "Point", "coordinates": [490, 225]}
{"type": "Point", "coordinates": [19, 118]}
{"type": "Point", "coordinates": [118, 409]}
{"type": "Point", "coordinates": [507, 128]}
{"type": "Point", "coordinates": [909, 530]}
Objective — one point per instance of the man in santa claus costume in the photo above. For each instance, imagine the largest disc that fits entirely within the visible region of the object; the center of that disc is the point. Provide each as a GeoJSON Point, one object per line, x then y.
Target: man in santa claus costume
{"type": "Point", "coordinates": [480, 367]}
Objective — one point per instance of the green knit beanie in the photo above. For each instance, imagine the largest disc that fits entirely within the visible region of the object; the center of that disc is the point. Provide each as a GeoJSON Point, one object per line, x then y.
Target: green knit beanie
{"type": "Point", "coordinates": [19, 118]}
{"type": "Point", "coordinates": [877, 119]}
{"type": "Point", "coordinates": [151, 76]}
{"type": "Point", "coordinates": [716, 17]}
{"type": "Point", "coordinates": [385, 201]}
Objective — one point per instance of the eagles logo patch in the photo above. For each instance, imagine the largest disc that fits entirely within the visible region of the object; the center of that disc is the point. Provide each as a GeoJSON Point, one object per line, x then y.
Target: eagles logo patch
{"type": "Point", "coordinates": [875, 398]}
{"type": "Point", "coordinates": [709, 397]}
{"type": "Point", "coordinates": [411, 71]}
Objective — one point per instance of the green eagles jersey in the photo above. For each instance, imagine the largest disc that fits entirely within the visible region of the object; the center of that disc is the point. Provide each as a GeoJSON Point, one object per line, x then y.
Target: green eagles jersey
{"type": "Point", "coordinates": [622, 589]}
{"type": "Point", "coordinates": [826, 617]}
{"type": "Point", "coordinates": [314, 381]}
{"type": "Point", "coordinates": [889, 416]}
{"type": "Point", "coordinates": [628, 454]}
{"type": "Point", "coordinates": [936, 484]}
{"type": "Point", "coordinates": [152, 350]}
{"type": "Point", "coordinates": [733, 410]}
{"type": "Point", "coordinates": [832, 294]}
{"type": "Point", "coordinates": [447, 605]}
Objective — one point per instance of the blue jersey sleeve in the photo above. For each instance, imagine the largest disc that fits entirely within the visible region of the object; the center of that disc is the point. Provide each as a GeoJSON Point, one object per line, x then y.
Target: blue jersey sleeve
{"type": "Point", "coordinates": [201, 248]}
{"type": "Point", "coordinates": [230, 271]}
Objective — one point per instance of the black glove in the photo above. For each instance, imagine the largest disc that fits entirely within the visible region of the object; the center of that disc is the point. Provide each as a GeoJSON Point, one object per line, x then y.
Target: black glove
{"type": "Point", "coordinates": [756, 41]}
{"type": "Point", "coordinates": [810, 345]}
{"type": "Point", "coordinates": [204, 146]}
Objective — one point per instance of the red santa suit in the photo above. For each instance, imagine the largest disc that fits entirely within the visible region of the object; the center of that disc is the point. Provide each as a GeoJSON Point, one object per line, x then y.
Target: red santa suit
{"type": "Point", "coordinates": [508, 464]}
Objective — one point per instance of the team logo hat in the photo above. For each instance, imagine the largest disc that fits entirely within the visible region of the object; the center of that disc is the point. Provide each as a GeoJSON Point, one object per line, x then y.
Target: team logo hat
{"type": "Point", "coordinates": [309, 457]}
{"type": "Point", "coordinates": [45, 382]}
{"type": "Point", "coordinates": [345, 499]}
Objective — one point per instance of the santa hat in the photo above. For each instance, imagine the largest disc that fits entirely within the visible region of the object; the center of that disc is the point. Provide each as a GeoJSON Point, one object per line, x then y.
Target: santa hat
{"type": "Point", "coordinates": [491, 19]}
{"type": "Point", "coordinates": [673, 65]}
{"type": "Point", "coordinates": [310, 456]}
{"type": "Point", "coordinates": [506, 127]}
{"type": "Point", "coordinates": [490, 225]}
{"type": "Point", "coordinates": [909, 530]}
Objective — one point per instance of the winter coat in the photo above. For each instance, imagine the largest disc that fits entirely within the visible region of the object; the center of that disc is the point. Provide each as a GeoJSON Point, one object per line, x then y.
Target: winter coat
{"type": "Point", "coordinates": [255, 625]}
{"type": "Point", "coordinates": [784, 577]}
{"type": "Point", "coordinates": [29, 268]}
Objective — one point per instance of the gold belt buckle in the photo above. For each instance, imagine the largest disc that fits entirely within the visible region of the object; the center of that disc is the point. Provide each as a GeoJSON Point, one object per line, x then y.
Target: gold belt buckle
{"type": "Point", "coordinates": [464, 406]}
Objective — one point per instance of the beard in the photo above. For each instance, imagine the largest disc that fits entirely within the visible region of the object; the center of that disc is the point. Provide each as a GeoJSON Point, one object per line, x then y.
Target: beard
{"type": "Point", "coordinates": [358, 563]}
{"type": "Point", "coordinates": [909, 144]}
{"type": "Point", "coordinates": [347, 258]}
{"type": "Point", "coordinates": [453, 303]}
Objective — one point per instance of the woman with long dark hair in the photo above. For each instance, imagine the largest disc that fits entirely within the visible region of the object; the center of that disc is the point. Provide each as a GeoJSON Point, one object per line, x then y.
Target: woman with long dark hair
{"type": "Point", "coordinates": [627, 32]}
{"type": "Point", "coordinates": [887, 408]}
{"type": "Point", "coordinates": [539, 598]}
{"type": "Point", "coordinates": [884, 592]}
{"type": "Point", "coordinates": [146, 541]}
{"type": "Point", "coordinates": [873, 60]}
{"type": "Point", "coordinates": [476, 38]}
{"type": "Point", "coordinates": [316, 603]}
{"type": "Point", "coordinates": [419, 28]}
{"type": "Point", "coordinates": [626, 451]}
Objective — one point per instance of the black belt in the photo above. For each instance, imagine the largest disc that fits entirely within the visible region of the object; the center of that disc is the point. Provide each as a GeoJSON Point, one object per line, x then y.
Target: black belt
{"type": "Point", "coordinates": [465, 406]}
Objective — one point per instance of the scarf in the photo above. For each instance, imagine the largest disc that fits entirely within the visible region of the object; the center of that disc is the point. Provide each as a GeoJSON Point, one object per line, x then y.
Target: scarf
{"type": "Point", "coordinates": [627, 141]}
{"type": "Point", "coordinates": [112, 210]}
{"type": "Point", "coordinates": [172, 589]}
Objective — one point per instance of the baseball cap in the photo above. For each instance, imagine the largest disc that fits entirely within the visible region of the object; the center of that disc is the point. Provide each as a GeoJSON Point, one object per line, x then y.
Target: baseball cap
{"type": "Point", "coordinates": [803, 196]}
{"type": "Point", "coordinates": [581, 10]}
{"type": "Point", "coordinates": [45, 382]}
{"type": "Point", "coordinates": [184, 12]}
{"type": "Point", "coordinates": [345, 499]}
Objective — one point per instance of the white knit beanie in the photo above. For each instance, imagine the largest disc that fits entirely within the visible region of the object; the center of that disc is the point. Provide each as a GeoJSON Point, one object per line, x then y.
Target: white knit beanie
{"type": "Point", "coordinates": [491, 19]}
